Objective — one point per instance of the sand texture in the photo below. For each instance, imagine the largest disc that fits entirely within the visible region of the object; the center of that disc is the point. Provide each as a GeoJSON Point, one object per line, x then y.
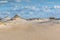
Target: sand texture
{"type": "Point", "coordinates": [27, 30]}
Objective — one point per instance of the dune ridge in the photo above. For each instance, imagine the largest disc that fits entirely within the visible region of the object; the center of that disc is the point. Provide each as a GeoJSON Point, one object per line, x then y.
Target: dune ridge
{"type": "Point", "coordinates": [20, 29]}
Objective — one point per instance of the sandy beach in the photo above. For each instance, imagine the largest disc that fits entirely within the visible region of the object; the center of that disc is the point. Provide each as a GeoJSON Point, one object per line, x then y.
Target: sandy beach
{"type": "Point", "coordinates": [25, 30]}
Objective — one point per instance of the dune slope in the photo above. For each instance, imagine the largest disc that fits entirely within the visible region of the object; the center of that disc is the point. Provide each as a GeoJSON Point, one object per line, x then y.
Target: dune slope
{"type": "Point", "coordinates": [25, 30]}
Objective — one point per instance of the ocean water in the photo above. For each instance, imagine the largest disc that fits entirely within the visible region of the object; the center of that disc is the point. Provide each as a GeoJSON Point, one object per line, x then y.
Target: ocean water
{"type": "Point", "coordinates": [30, 8]}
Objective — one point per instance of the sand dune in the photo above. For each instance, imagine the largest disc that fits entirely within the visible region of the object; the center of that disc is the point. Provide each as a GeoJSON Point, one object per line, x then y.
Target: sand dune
{"type": "Point", "coordinates": [20, 29]}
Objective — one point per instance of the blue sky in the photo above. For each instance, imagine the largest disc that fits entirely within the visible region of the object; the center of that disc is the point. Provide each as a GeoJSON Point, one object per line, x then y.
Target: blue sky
{"type": "Point", "coordinates": [30, 8]}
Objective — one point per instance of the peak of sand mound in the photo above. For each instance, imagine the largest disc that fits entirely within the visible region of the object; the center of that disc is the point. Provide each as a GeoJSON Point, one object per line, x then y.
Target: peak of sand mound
{"type": "Point", "coordinates": [12, 22]}
{"type": "Point", "coordinates": [17, 17]}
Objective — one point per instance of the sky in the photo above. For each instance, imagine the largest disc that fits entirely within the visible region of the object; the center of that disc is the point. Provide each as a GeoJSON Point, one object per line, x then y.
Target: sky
{"type": "Point", "coordinates": [30, 8]}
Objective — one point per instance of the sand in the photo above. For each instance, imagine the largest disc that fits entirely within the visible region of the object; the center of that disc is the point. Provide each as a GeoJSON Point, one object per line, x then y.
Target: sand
{"type": "Point", "coordinates": [28, 30]}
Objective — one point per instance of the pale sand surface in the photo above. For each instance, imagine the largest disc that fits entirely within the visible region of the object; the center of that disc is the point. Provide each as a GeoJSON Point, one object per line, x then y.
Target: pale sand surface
{"type": "Point", "coordinates": [25, 30]}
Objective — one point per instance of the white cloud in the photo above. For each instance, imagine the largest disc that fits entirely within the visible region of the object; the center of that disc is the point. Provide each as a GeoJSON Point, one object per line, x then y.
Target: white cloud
{"type": "Point", "coordinates": [15, 8]}
{"type": "Point", "coordinates": [8, 13]}
{"type": "Point", "coordinates": [51, 2]}
{"type": "Point", "coordinates": [27, 0]}
{"type": "Point", "coordinates": [22, 0]}
{"type": "Point", "coordinates": [56, 6]}
{"type": "Point", "coordinates": [46, 9]}
{"type": "Point", "coordinates": [3, 1]}
{"type": "Point", "coordinates": [30, 12]}
{"type": "Point", "coordinates": [18, 0]}
{"type": "Point", "coordinates": [27, 7]}
{"type": "Point", "coordinates": [33, 8]}
{"type": "Point", "coordinates": [21, 11]}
